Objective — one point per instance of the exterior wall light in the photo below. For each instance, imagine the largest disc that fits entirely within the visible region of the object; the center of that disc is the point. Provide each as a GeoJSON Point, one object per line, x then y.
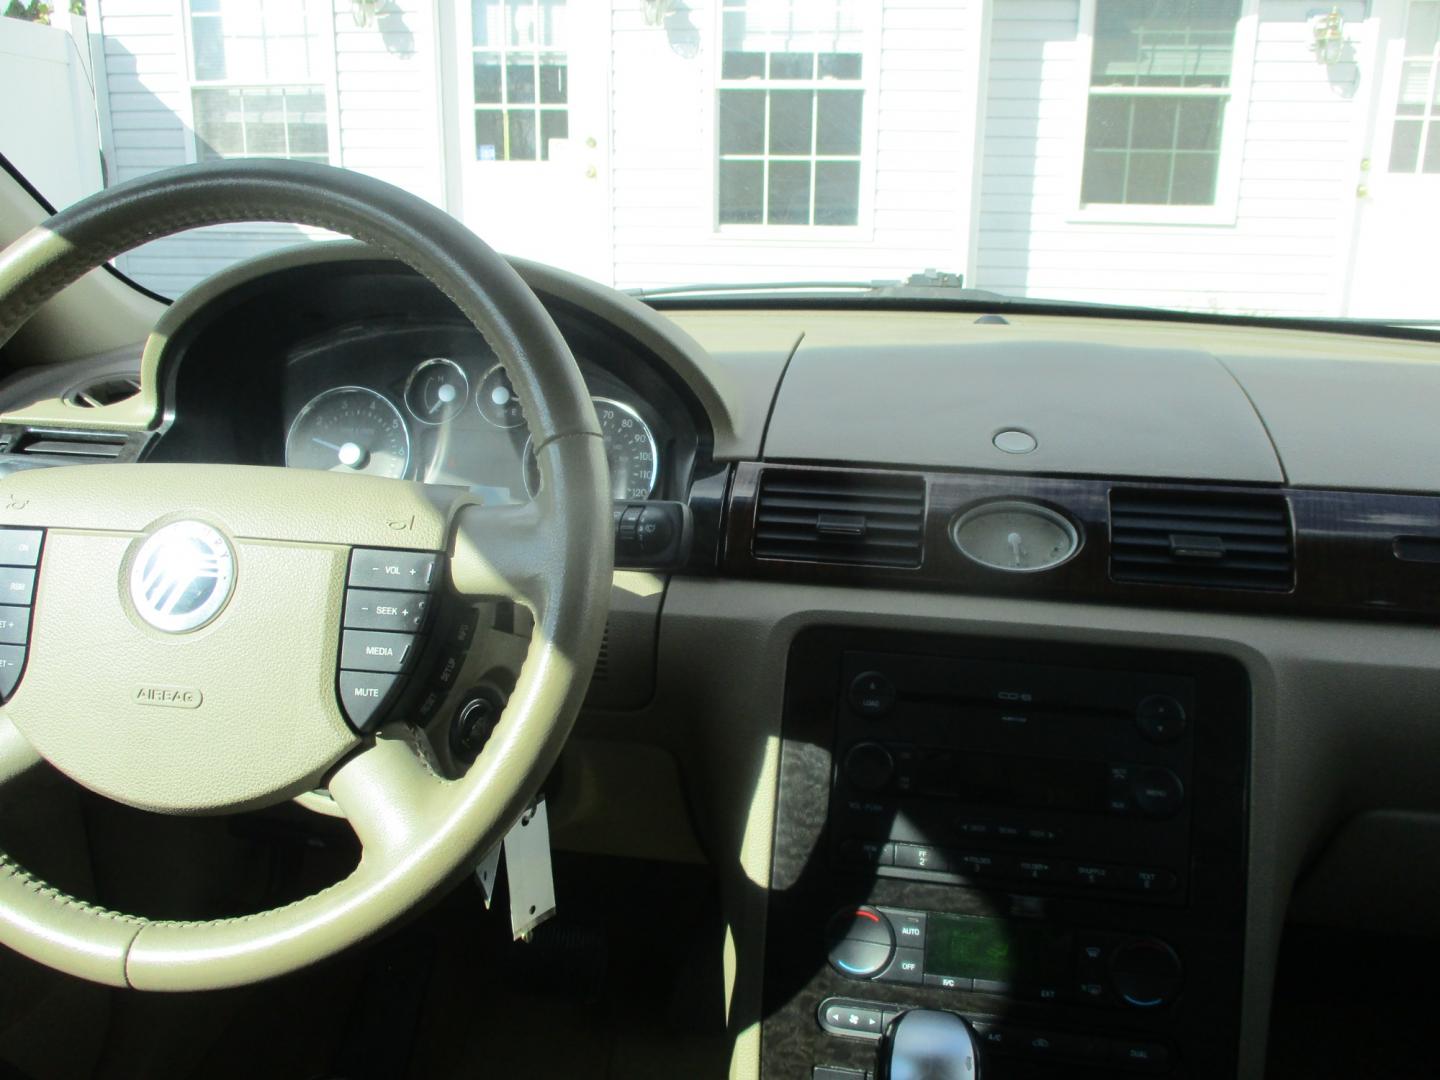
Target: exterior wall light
{"type": "Point", "coordinates": [1329, 30]}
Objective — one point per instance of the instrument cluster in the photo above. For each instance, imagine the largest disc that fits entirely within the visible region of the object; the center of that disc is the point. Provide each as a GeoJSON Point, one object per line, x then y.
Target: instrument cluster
{"type": "Point", "coordinates": [437, 407]}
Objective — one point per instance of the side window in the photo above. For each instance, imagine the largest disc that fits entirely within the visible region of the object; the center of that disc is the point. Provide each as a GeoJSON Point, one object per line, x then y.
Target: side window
{"type": "Point", "coordinates": [257, 86]}
{"type": "Point", "coordinates": [791, 107]}
{"type": "Point", "coordinates": [1415, 140]}
{"type": "Point", "coordinates": [1160, 77]}
{"type": "Point", "coordinates": [521, 78]}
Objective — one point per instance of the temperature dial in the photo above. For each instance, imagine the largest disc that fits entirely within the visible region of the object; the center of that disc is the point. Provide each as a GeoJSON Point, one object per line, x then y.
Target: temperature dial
{"type": "Point", "coordinates": [861, 941]}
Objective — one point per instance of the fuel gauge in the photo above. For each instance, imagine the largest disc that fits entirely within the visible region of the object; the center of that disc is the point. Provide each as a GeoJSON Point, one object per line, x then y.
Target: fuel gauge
{"type": "Point", "coordinates": [496, 399]}
{"type": "Point", "coordinates": [437, 390]}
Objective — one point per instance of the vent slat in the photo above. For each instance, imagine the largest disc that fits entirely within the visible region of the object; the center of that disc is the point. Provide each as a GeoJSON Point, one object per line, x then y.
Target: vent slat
{"type": "Point", "coordinates": [855, 519]}
{"type": "Point", "coordinates": [1212, 540]}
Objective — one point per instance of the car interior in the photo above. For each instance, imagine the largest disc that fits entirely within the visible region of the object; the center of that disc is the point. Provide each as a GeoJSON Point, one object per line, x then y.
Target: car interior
{"type": "Point", "coordinates": [418, 663]}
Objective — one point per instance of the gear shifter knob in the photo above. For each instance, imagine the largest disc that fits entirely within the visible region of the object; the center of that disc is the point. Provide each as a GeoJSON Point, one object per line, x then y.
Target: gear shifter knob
{"type": "Point", "coordinates": [925, 1044]}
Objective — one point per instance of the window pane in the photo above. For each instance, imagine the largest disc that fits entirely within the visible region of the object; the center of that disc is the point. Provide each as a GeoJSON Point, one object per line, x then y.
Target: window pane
{"type": "Point", "coordinates": [1198, 126]}
{"type": "Point", "coordinates": [839, 65]}
{"type": "Point", "coordinates": [1108, 123]}
{"type": "Point", "coordinates": [838, 113]}
{"type": "Point", "coordinates": [1432, 149]}
{"type": "Point", "coordinates": [309, 128]}
{"type": "Point", "coordinates": [487, 78]}
{"type": "Point", "coordinates": [1414, 85]}
{"type": "Point", "coordinates": [740, 192]}
{"type": "Point", "coordinates": [1421, 27]}
{"type": "Point", "coordinates": [521, 22]}
{"type": "Point", "coordinates": [520, 77]}
{"type": "Point", "coordinates": [837, 192]}
{"type": "Point", "coordinates": [1149, 180]}
{"type": "Point", "coordinates": [1405, 145]}
{"type": "Point", "coordinates": [198, 7]}
{"type": "Point", "coordinates": [552, 24]}
{"type": "Point", "coordinates": [742, 65]}
{"type": "Point", "coordinates": [790, 121]}
{"type": "Point", "coordinates": [1194, 180]}
{"type": "Point", "coordinates": [485, 23]}
{"type": "Point", "coordinates": [489, 135]}
{"type": "Point", "coordinates": [789, 193]}
{"type": "Point", "coordinates": [1154, 123]}
{"type": "Point", "coordinates": [1104, 180]}
{"type": "Point", "coordinates": [209, 48]}
{"type": "Point", "coordinates": [792, 65]}
{"type": "Point", "coordinates": [264, 122]}
{"type": "Point", "coordinates": [522, 135]}
{"type": "Point", "coordinates": [742, 121]}
{"type": "Point", "coordinates": [1163, 42]}
{"type": "Point", "coordinates": [287, 58]}
{"type": "Point", "coordinates": [553, 79]}
{"type": "Point", "coordinates": [554, 124]}
{"type": "Point", "coordinates": [218, 131]}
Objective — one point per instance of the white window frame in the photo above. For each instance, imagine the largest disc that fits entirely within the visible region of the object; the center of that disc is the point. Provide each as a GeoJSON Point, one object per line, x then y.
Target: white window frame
{"type": "Point", "coordinates": [869, 82]}
{"type": "Point", "coordinates": [467, 90]}
{"type": "Point", "coordinates": [1225, 209]}
{"type": "Point", "coordinates": [326, 79]}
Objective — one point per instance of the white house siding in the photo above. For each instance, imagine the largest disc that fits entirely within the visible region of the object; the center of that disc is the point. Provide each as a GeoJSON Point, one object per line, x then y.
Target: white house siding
{"type": "Point", "coordinates": [1285, 250]}
{"type": "Point", "coordinates": [663, 153]}
{"type": "Point", "coordinates": [383, 93]}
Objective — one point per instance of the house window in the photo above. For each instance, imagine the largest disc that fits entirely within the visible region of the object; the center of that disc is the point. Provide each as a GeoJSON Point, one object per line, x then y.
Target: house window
{"type": "Point", "coordinates": [256, 89]}
{"type": "Point", "coordinates": [790, 113]}
{"type": "Point", "coordinates": [521, 78]}
{"type": "Point", "coordinates": [1159, 85]}
{"type": "Point", "coordinates": [1415, 139]}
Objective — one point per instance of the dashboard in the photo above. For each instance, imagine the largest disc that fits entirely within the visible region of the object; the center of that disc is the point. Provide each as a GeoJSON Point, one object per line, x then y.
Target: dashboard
{"type": "Point", "coordinates": [1029, 678]}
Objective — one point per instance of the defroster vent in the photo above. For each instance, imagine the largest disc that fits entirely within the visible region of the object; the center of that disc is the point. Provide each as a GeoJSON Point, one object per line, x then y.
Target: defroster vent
{"type": "Point", "coordinates": [1216, 540]}
{"type": "Point", "coordinates": [869, 519]}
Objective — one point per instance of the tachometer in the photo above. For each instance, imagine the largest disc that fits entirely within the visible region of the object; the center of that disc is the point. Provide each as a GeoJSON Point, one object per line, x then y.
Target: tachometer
{"type": "Point", "coordinates": [349, 429]}
{"type": "Point", "coordinates": [630, 450]}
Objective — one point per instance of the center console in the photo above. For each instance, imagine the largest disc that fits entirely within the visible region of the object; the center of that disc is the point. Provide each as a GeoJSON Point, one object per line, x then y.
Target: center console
{"type": "Point", "coordinates": [1048, 840]}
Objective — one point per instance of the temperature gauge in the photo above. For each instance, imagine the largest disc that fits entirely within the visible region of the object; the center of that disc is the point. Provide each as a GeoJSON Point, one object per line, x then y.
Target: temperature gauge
{"type": "Point", "coordinates": [1020, 537]}
{"type": "Point", "coordinates": [437, 390]}
{"type": "Point", "coordinates": [497, 401]}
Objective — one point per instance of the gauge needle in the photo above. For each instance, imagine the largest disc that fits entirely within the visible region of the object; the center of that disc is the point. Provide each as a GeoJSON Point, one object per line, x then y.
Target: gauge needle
{"type": "Point", "coordinates": [351, 454]}
{"type": "Point", "coordinates": [326, 445]}
{"type": "Point", "coordinates": [1016, 540]}
{"type": "Point", "coordinates": [443, 396]}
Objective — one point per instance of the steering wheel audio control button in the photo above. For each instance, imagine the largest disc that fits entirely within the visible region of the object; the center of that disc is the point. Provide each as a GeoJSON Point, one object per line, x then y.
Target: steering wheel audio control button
{"type": "Point", "coordinates": [374, 650]}
{"type": "Point", "coordinates": [12, 663]}
{"type": "Point", "coordinates": [17, 586]}
{"type": "Point", "coordinates": [382, 568]}
{"type": "Point", "coordinates": [20, 547]}
{"type": "Point", "coordinates": [376, 609]}
{"type": "Point", "coordinates": [364, 695]}
{"type": "Point", "coordinates": [14, 625]}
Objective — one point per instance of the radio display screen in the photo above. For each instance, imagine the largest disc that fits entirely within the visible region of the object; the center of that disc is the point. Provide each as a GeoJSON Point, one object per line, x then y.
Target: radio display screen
{"type": "Point", "coordinates": [996, 949]}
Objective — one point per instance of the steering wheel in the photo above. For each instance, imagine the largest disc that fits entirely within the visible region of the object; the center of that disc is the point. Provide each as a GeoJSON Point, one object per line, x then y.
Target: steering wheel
{"type": "Point", "coordinates": [106, 663]}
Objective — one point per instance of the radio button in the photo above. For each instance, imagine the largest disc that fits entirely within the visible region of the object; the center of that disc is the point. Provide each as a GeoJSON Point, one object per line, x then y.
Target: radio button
{"type": "Point", "coordinates": [1158, 792]}
{"type": "Point", "coordinates": [1043, 836]}
{"type": "Point", "coordinates": [973, 830]}
{"type": "Point", "coordinates": [1041, 870]}
{"type": "Point", "coordinates": [1149, 1057]}
{"type": "Point", "coordinates": [1161, 719]}
{"type": "Point", "coordinates": [1093, 876]}
{"type": "Point", "coordinates": [1009, 831]}
{"type": "Point", "coordinates": [872, 695]}
{"type": "Point", "coordinates": [869, 766]}
{"type": "Point", "coordinates": [977, 865]}
{"type": "Point", "coordinates": [868, 852]}
{"type": "Point", "coordinates": [1143, 879]}
{"type": "Point", "coordinates": [921, 857]}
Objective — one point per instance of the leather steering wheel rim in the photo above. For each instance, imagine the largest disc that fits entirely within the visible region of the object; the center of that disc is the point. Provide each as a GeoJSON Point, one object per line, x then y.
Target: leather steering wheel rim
{"type": "Point", "coordinates": [289, 529]}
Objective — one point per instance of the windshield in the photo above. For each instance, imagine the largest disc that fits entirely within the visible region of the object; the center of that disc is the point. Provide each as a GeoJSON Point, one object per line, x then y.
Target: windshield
{"type": "Point", "coordinates": [1234, 156]}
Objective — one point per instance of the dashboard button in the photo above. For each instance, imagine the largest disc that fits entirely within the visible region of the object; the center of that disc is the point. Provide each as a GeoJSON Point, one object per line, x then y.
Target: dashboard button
{"type": "Point", "coordinates": [950, 982]}
{"type": "Point", "coordinates": [374, 650]}
{"type": "Point", "coordinates": [994, 986]}
{"type": "Point", "coordinates": [362, 695]}
{"type": "Point", "coordinates": [908, 967]}
{"type": "Point", "coordinates": [842, 1017]}
{"type": "Point", "coordinates": [1146, 1056]}
{"type": "Point", "coordinates": [20, 547]}
{"type": "Point", "coordinates": [1146, 879]}
{"type": "Point", "coordinates": [12, 662]}
{"type": "Point", "coordinates": [1161, 719]}
{"type": "Point", "coordinates": [859, 852]}
{"type": "Point", "coordinates": [921, 857]}
{"type": "Point", "coordinates": [14, 625]}
{"type": "Point", "coordinates": [17, 586]}
{"type": "Point", "coordinates": [872, 694]}
{"type": "Point", "coordinates": [909, 928]}
{"type": "Point", "coordinates": [376, 609]}
{"type": "Point", "coordinates": [381, 568]}
{"type": "Point", "coordinates": [1158, 792]}
{"type": "Point", "coordinates": [1095, 876]}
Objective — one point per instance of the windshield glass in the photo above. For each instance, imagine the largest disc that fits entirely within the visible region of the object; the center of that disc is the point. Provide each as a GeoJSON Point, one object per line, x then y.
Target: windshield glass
{"type": "Point", "coordinates": [1243, 156]}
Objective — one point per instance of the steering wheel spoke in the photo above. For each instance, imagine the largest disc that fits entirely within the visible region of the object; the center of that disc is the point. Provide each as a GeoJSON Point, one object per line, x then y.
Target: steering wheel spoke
{"type": "Point", "coordinates": [17, 756]}
{"type": "Point", "coordinates": [387, 794]}
{"type": "Point", "coordinates": [499, 552]}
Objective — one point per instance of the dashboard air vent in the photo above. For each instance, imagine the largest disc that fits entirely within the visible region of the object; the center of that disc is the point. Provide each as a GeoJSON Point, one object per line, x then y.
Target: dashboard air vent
{"type": "Point", "coordinates": [72, 448]}
{"type": "Point", "coordinates": [872, 519]}
{"type": "Point", "coordinates": [1204, 539]}
{"type": "Point", "coordinates": [110, 390]}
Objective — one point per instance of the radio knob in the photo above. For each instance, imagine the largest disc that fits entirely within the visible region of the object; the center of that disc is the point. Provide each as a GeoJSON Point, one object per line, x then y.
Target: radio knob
{"type": "Point", "coordinates": [1158, 792]}
{"type": "Point", "coordinates": [861, 942]}
{"type": "Point", "coordinates": [1161, 719]}
{"type": "Point", "coordinates": [1145, 973]}
{"type": "Point", "coordinates": [869, 766]}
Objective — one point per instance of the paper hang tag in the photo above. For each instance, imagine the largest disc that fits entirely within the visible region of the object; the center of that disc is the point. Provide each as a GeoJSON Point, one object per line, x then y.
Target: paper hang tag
{"type": "Point", "coordinates": [528, 870]}
{"type": "Point", "coordinates": [486, 871]}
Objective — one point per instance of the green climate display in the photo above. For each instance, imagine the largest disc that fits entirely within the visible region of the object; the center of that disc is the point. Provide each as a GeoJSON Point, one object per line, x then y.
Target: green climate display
{"type": "Point", "coordinates": [995, 949]}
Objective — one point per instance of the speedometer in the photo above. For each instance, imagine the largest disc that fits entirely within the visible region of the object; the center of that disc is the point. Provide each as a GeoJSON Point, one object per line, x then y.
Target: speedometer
{"type": "Point", "coordinates": [349, 429]}
{"type": "Point", "coordinates": [630, 451]}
